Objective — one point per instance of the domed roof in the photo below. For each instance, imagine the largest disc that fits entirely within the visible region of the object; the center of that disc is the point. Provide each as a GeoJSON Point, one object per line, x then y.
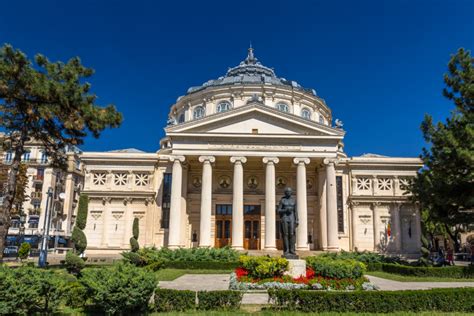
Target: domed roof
{"type": "Point", "coordinates": [250, 71]}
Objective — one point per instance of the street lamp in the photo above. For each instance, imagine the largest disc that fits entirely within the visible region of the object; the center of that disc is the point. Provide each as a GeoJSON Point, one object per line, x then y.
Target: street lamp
{"type": "Point", "coordinates": [47, 221]}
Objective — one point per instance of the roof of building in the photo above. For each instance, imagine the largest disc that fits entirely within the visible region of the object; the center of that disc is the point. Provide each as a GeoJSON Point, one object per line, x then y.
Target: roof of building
{"type": "Point", "coordinates": [126, 150]}
{"type": "Point", "coordinates": [250, 71]}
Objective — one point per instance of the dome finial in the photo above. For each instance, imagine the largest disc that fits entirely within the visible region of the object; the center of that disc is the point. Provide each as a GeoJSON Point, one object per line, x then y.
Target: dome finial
{"type": "Point", "coordinates": [250, 56]}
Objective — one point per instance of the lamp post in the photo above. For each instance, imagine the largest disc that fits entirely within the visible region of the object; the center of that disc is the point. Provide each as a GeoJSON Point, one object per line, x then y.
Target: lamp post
{"type": "Point", "coordinates": [47, 221]}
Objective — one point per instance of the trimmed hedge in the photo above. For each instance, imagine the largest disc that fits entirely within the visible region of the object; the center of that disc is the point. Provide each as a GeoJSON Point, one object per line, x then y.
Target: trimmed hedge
{"type": "Point", "coordinates": [167, 300]}
{"type": "Point", "coordinates": [336, 268]}
{"type": "Point", "coordinates": [219, 300]}
{"type": "Point", "coordinates": [444, 300]}
{"type": "Point", "coordinates": [204, 265]}
{"type": "Point", "coordinates": [456, 272]}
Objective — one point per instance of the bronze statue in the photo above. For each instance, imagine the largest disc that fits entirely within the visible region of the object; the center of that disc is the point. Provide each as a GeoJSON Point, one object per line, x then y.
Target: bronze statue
{"type": "Point", "coordinates": [288, 223]}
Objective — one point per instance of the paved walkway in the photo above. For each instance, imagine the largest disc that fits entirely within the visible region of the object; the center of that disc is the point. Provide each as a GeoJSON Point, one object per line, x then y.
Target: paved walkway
{"type": "Point", "coordinates": [390, 285]}
{"type": "Point", "coordinates": [198, 282]}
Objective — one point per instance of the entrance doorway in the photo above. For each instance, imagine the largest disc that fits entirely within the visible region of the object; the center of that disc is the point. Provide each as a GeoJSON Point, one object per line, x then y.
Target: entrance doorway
{"type": "Point", "coordinates": [252, 227]}
{"type": "Point", "coordinates": [223, 225]}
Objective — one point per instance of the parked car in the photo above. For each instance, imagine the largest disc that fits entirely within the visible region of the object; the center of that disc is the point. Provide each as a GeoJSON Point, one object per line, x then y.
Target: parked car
{"type": "Point", "coordinates": [10, 251]}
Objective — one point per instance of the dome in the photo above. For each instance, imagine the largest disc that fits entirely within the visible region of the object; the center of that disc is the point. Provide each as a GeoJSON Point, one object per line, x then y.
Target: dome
{"type": "Point", "coordinates": [251, 71]}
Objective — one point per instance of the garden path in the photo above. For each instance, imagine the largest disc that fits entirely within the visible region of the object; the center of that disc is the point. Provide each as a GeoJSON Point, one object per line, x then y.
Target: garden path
{"type": "Point", "coordinates": [390, 285]}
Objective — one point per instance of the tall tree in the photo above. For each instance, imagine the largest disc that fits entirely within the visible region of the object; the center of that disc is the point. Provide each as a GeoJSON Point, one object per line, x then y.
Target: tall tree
{"type": "Point", "coordinates": [50, 102]}
{"type": "Point", "coordinates": [21, 186]}
{"type": "Point", "coordinates": [445, 186]}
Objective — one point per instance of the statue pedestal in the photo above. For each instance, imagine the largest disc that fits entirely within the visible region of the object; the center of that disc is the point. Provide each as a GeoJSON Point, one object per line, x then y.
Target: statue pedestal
{"type": "Point", "coordinates": [296, 268]}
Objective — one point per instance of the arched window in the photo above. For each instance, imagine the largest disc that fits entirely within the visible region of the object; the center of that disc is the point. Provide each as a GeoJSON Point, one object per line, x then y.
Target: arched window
{"type": "Point", "coordinates": [223, 106]}
{"type": "Point", "coordinates": [306, 114]}
{"type": "Point", "coordinates": [283, 107]}
{"type": "Point", "coordinates": [181, 118]}
{"type": "Point", "coordinates": [26, 157]}
{"type": "Point", "coordinates": [9, 157]}
{"type": "Point", "coordinates": [321, 119]}
{"type": "Point", "coordinates": [198, 112]}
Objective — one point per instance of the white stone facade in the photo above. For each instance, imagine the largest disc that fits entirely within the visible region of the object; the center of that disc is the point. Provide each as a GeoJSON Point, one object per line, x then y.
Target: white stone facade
{"type": "Point", "coordinates": [231, 147]}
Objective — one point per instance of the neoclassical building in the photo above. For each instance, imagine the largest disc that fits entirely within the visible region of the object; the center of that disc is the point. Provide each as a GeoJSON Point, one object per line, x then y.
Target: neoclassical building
{"type": "Point", "coordinates": [232, 145]}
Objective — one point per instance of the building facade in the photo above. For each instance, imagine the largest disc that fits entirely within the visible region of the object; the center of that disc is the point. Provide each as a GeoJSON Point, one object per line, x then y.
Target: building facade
{"type": "Point", "coordinates": [232, 146]}
{"type": "Point", "coordinates": [28, 222]}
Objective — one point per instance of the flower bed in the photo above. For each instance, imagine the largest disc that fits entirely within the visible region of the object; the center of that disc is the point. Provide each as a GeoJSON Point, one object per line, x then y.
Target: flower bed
{"type": "Point", "coordinates": [262, 273]}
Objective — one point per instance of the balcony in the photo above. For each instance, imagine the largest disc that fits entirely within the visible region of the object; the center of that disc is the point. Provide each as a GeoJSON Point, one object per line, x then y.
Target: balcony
{"type": "Point", "coordinates": [36, 196]}
{"type": "Point", "coordinates": [38, 178]}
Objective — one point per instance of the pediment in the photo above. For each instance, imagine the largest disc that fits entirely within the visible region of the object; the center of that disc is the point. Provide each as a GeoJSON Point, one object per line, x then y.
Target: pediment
{"type": "Point", "coordinates": [254, 119]}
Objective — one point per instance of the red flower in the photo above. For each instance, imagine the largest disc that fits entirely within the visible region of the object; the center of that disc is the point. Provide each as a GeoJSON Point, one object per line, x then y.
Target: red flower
{"type": "Point", "coordinates": [310, 273]}
{"type": "Point", "coordinates": [241, 272]}
{"type": "Point", "coordinates": [301, 279]}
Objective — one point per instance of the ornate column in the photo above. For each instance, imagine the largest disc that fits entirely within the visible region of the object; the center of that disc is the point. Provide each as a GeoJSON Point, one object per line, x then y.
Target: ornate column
{"type": "Point", "coordinates": [396, 228]}
{"type": "Point", "coordinates": [322, 209]}
{"type": "Point", "coordinates": [270, 202]}
{"type": "Point", "coordinates": [174, 239]}
{"type": "Point", "coordinates": [301, 204]}
{"type": "Point", "coordinates": [206, 201]}
{"type": "Point", "coordinates": [331, 204]}
{"type": "Point", "coordinates": [105, 223]}
{"type": "Point", "coordinates": [238, 203]}
{"type": "Point", "coordinates": [354, 218]}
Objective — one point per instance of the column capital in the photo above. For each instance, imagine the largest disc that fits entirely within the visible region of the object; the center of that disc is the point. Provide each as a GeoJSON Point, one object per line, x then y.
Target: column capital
{"type": "Point", "coordinates": [328, 161]}
{"type": "Point", "coordinates": [211, 159]}
{"type": "Point", "coordinates": [240, 159]}
{"type": "Point", "coordinates": [178, 158]}
{"type": "Point", "coordinates": [299, 160]}
{"type": "Point", "coordinates": [274, 160]}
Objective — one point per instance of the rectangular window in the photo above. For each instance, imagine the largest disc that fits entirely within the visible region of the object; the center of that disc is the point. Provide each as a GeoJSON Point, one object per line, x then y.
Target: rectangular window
{"type": "Point", "coordinates": [224, 209]}
{"type": "Point", "coordinates": [166, 201]}
{"type": "Point", "coordinates": [340, 205]}
{"type": "Point", "coordinates": [252, 209]}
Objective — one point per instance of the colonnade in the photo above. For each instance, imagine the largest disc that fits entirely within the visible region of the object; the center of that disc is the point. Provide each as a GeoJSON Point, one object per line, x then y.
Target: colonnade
{"type": "Point", "coordinates": [330, 211]}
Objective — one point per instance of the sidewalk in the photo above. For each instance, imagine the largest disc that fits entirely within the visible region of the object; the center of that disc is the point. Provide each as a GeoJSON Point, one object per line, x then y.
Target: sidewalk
{"type": "Point", "coordinates": [390, 285]}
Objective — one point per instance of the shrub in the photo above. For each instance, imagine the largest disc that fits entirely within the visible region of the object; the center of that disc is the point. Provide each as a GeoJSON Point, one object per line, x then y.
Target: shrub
{"type": "Point", "coordinates": [219, 300]}
{"type": "Point", "coordinates": [79, 239]}
{"type": "Point", "coordinates": [27, 290]}
{"type": "Point", "coordinates": [121, 288]}
{"type": "Point", "coordinates": [336, 268]}
{"type": "Point", "coordinates": [82, 211]}
{"type": "Point", "coordinates": [24, 250]}
{"type": "Point", "coordinates": [225, 254]}
{"type": "Point", "coordinates": [212, 265]}
{"type": "Point", "coordinates": [456, 272]}
{"type": "Point", "coordinates": [364, 256]}
{"type": "Point", "coordinates": [134, 240]}
{"type": "Point", "coordinates": [75, 294]}
{"type": "Point", "coordinates": [263, 266]}
{"type": "Point", "coordinates": [134, 244]}
{"type": "Point", "coordinates": [167, 300]}
{"type": "Point", "coordinates": [444, 300]}
{"type": "Point", "coordinates": [74, 263]}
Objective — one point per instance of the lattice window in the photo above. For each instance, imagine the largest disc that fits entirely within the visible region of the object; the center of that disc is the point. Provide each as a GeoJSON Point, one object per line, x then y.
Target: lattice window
{"type": "Point", "coordinates": [384, 184]}
{"type": "Point", "coordinates": [141, 179]}
{"type": "Point", "coordinates": [363, 184]}
{"type": "Point", "coordinates": [99, 178]}
{"type": "Point", "coordinates": [120, 179]}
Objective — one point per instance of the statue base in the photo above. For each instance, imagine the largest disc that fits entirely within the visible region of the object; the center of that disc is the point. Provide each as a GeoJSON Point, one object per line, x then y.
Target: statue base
{"type": "Point", "coordinates": [290, 256]}
{"type": "Point", "coordinates": [296, 268]}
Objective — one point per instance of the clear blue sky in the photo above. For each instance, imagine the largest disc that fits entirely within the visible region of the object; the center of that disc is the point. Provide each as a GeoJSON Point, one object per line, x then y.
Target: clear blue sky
{"type": "Point", "coordinates": [378, 64]}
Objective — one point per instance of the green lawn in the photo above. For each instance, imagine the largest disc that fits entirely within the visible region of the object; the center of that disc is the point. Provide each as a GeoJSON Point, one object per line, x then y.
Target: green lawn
{"type": "Point", "coordinates": [171, 274]}
{"type": "Point", "coordinates": [269, 313]}
{"type": "Point", "coordinates": [403, 278]}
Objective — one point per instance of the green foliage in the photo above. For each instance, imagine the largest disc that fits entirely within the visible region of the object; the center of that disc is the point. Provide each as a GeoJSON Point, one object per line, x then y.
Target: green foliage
{"type": "Point", "coordinates": [27, 290]}
{"type": "Point", "coordinates": [219, 300]}
{"type": "Point", "coordinates": [21, 186]}
{"type": "Point", "coordinates": [444, 300]}
{"type": "Point", "coordinates": [445, 186]}
{"type": "Point", "coordinates": [455, 272]}
{"type": "Point", "coordinates": [122, 288]}
{"type": "Point", "coordinates": [263, 267]}
{"type": "Point", "coordinates": [50, 102]}
{"type": "Point", "coordinates": [74, 263]}
{"type": "Point", "coordinates": [79, 239]}
{"type": "Point", "coordinates": [167, 300]}
{"type": "Point", "coordinates": [336, 268]}
{"type": "Point", "coordinates": [82, 210]}
{"type": "Point", "coordinates": [75, 295]}
{"type": "Point", "coordinates": [135, 228]}
{"type": "Point", "coordinates": [134, 245]}
{"type": "Point", "coordinates": [24, 250]}
{"type": "Point", "coordinates": [364, 256]}
{"type": "Point", "coordinates": [194, 258]}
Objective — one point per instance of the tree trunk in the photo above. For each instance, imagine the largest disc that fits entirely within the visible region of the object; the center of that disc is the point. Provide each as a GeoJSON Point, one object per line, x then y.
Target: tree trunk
{"type": "Point", "coordinates": [453, 236]}
{"type": "Point", "coordinates": [5, 212]}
